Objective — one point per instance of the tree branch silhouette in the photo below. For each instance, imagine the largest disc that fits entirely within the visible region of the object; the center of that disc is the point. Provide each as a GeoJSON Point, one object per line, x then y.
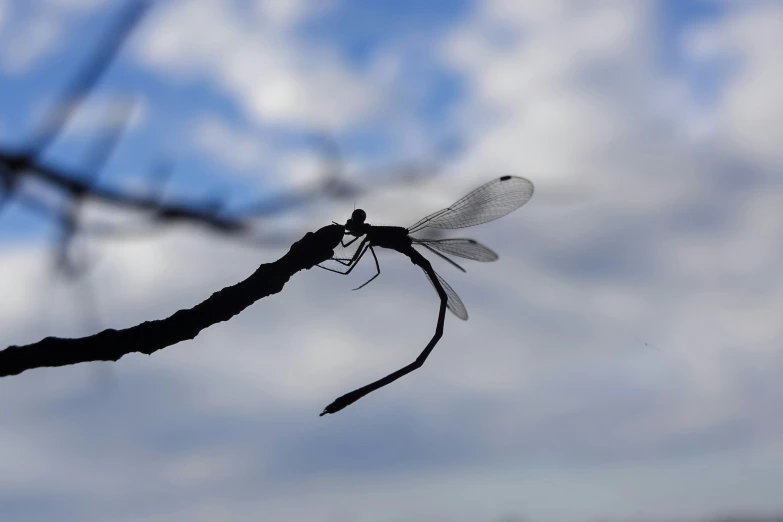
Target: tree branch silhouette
{"type": "Point", "coordinates": [151, 336]}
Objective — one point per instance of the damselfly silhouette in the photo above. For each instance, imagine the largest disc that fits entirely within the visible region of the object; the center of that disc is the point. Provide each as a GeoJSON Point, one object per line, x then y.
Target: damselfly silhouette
{"type": "Point", "coordinates": [490, 201]}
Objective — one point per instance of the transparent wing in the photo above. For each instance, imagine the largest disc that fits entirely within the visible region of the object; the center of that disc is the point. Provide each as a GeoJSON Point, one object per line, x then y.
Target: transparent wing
{"type": "Point", "coordinates": [465, 248]}
{"type": "Point", "coordinates": [487, 203]}
{"type": "Point", "coordinates": [454, 303]}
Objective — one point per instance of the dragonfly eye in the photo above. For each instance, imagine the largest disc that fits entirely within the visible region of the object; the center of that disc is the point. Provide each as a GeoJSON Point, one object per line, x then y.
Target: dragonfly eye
{"type": "Point", "coordinates": [358, 216]}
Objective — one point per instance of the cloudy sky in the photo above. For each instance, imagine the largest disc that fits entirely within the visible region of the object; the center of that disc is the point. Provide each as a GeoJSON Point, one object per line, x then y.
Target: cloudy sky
{"type": "Point", "coordinates": [623, 359]}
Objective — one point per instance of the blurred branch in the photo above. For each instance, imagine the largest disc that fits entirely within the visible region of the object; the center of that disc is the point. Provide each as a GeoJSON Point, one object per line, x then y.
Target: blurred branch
{"type": "Point", "coordinates": [151, 336]}
{"type": "Point", "coordinates": [78, 185]}
{"type": "Point", "coordinates": [84, 82]}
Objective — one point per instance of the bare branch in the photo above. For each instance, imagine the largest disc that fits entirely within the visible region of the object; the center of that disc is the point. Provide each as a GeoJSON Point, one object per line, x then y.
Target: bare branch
{"type": "Point", "coordinates": [150, 336]}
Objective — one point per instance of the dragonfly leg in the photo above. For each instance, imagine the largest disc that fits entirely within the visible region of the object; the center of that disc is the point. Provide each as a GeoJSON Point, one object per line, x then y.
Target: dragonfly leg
{"type": "Point", "coordinates": [349, 243]}
{"type": "Point", "coordinates": [334, 270]}
{"type": "Point", "coordinates": [351, 397]}
{"type": "Point", "coordinates": [377, 267]}
{"type": "Point", "coordinates": [352, 263]}
{"type": "Point", "coordinates": [346, 261]}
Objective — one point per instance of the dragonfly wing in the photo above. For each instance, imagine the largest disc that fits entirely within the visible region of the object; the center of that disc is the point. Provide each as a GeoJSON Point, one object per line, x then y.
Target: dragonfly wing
{"type": "Point", "coordinates": [453, 302]}
{"type": "Point", "coordinates": [464, 248]}
{"type": "Point", "coordinates": [445, 258]}
{"type": "Point", "coordinates": [490, 201]}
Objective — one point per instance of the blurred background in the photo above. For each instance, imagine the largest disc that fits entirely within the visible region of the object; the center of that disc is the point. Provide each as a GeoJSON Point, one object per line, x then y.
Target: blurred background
{"type": "Point", "coordinates": [624, 357]}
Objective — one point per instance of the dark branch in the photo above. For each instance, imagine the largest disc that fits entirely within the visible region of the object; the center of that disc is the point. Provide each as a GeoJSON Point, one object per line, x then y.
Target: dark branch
{"type": "Point", "coordinates": [150, 336]}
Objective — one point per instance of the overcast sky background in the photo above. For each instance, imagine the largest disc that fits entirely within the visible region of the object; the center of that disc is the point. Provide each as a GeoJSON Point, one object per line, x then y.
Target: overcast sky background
{"type": "Point", "coordinates": [623, 359]}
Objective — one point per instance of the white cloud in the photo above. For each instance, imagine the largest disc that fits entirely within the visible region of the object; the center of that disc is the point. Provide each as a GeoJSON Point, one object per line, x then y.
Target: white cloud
{"type": "Point", "coordinates": [253, 153]}
{"type": "Point", "coordinates": [752, 108]}
{"type": "Point", "coordinates": [748, 115]}
{"type": "Point", "coordinates": [285, 14]}
{"type": "Point", "coordinates": [563, 92]}
{"type": "Point", "coordinates": [28, 40]}
{"type": "Point", "coordinates": [3, 14]}
{"type": "Point", "coordinates": [237, 149]}
{"type": "Point", "coordinates": [78, 5]}
{"type": "Point", "coordinates": [23, 47]}
{"type": "Point", "coordinates": [259, 62]}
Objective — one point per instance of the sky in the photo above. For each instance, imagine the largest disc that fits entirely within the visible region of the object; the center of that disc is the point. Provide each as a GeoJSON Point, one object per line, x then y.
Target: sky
{"type": "Point", "coordinates": [623, 358]}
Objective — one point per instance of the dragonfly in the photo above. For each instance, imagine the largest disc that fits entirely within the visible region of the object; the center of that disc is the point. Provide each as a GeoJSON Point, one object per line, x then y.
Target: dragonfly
{"type": "Point", "coordinates": [488, 202]}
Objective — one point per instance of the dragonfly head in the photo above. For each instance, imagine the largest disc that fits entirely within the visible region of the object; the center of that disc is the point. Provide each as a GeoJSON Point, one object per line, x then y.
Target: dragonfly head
{"type": "Point", "coordinates": [357, 219]}
{"type": "Point", "coordinates": [356, 225]}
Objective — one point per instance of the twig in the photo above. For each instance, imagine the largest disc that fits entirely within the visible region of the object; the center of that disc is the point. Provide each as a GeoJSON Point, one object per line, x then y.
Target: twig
{"type": "Point", "coordinates": [151, 336]}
